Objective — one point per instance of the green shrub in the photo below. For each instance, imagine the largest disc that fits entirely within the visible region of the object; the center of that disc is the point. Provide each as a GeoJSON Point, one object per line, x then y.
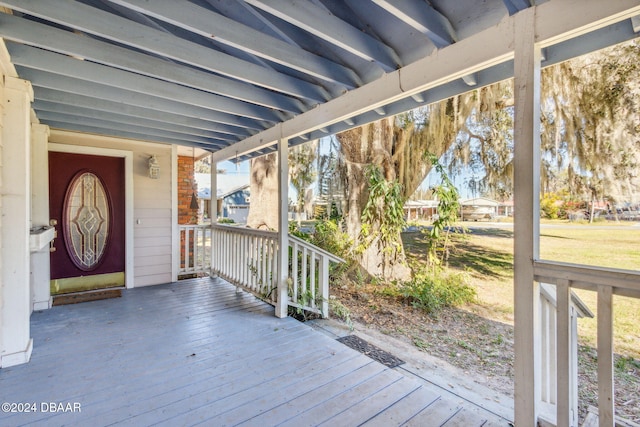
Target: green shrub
{"type": "Point", "coordinates": [437, 289]}
{"type": "Point", "coordinates": [329, 236]}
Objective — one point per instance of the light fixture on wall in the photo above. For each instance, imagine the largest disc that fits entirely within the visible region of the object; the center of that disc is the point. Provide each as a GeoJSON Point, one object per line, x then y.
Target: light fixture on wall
{"type": "Point", "coordinates": [194, 197]}
{"type": "Point", "coordinates": [154, 167]}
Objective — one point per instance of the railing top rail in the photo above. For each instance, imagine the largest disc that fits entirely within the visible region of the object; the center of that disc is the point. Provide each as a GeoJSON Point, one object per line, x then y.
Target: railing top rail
{"type": "Point", "coordinates": [623, 282]}
{"type": "Point", "coordinates": [245, 231]}
{"type": "Point", "coordinates": [192, 226]}
{"type": "Point", "coordinates": [273, 234]}
{"type": "Point", "coordinates": [313, 247]}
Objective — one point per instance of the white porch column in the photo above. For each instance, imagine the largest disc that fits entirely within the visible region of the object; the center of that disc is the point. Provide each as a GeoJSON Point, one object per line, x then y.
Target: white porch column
{"type": "Point", "coordinates": [213, 210]}
{"type": "Point", "coordinates": [283, 227]}
{"type": "Point", "coordinates": [40, 267]}
{"type": "Point", "coordinates": [526, 219]}
{"type": "Point", "coordinates": [15, 303]}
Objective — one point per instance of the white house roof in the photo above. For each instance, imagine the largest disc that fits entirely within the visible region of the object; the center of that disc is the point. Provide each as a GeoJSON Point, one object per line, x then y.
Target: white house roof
{"type": "Point", "coordinates": [234, 76]}
{"type": "Point", "coordinates": [479, 201]}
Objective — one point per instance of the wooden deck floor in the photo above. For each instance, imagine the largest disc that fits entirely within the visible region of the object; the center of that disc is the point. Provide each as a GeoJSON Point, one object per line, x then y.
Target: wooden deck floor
{"type": "Point", "coordinates": [198, 353]}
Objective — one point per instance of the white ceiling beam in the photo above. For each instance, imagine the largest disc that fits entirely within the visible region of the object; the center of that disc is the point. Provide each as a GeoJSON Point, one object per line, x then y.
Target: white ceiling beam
{"type": "Point", "coordinates": [39, 59]}
{"type": "Point", "coordinates": [321, 23]}
{"type": "Point", "coordinates": [112, 27]}
{"type": "Point", "coordinates": [242, 12]}
{"type": "Point", "coordinates": [489, 47]}
{"type": "Point", "coordinates": [40, 35]}
{"type": "Point", "coordinates": [423, 17]}
{"type": "Point", "coordinates": [206, 23]}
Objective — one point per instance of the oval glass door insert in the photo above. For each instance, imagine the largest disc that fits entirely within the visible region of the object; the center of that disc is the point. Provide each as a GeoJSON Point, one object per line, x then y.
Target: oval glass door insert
{"type": "Point", "coordinates": [86, 220]}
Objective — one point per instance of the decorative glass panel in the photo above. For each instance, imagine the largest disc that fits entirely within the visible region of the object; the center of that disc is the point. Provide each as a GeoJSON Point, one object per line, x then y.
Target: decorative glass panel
{"type": "Point", "coordinates": [86, 221]}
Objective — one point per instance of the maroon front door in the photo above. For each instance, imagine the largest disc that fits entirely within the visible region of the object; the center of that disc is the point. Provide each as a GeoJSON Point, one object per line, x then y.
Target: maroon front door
{"type": "Point", "coordinates": [87, 200]}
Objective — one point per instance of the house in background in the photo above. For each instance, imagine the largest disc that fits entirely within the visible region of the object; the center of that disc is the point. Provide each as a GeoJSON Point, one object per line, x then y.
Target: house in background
{"type": "Point", "coordinates": [232, 196]}
{"type": "Point", "coordinates": [478, 208]}
{"type": "Point", "coordinates": [420, 209]}
{"type": "Point", "coordinates": [99, 97]}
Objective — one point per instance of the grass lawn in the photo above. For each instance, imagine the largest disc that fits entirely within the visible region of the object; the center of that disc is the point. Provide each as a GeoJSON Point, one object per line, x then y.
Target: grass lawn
{"type": "Point", "coordinates": [487, 255]}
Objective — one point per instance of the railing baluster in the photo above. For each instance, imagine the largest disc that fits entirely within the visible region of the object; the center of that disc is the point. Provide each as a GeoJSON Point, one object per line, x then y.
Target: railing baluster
{"type": "Point", "coordinates": [605, 357]}
{"type": "Point", "coordinates": [294, 271]}
{"type": "Point", "coordinates": [312, 279]}
{"type": "Point", "coordinates": [305, 274]}
{"type": "Point", "coordinates": [324, 285]}
{"type": "Point", "coordinates": [248, 258]}
{"type": "Point", "coordinates": [563, 297]}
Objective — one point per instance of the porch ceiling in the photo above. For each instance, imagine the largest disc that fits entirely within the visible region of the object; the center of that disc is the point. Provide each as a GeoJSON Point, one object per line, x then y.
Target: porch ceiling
{"type": "Point", "coordinates": [212, 73]}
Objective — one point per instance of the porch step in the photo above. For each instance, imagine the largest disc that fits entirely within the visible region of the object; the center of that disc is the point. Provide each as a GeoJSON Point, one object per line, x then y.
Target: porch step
{"type": "Point", "coordinates": [78, 297]}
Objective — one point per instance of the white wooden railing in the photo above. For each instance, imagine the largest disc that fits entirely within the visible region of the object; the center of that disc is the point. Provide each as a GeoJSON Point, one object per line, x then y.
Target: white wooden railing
{"type": "Point", "coordinates": [548, 348]}
{"type": "Point", "coordinates": [195, 249]}
{"type": "Point", "coordinates": [248, 258]}
{"type": "Point", "coordinates": [309, 276]}
{"type": "Point", "coordinates": [606, 282]}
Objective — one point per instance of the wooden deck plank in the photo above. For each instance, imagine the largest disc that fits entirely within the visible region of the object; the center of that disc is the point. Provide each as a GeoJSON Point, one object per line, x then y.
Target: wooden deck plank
{"type": "Point", "coordinates": [437, 414]}
{"type": "Point", "coordinates": [360, 411]}
{"type": "Point", "coordinates": [466, 417]}
{"type": "Point", "coordinates": [340, 404]}
{"type": "Point", "coordinates": [245, 389]}
{"type": "Point", "coordinates": [198, 352]}
{"type": "Point", "coordinates": [403, 409]}
{"type": "Point", "coordinates": [317, 395]}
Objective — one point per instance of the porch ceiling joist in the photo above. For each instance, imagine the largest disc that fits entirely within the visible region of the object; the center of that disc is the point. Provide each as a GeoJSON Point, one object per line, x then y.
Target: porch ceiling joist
{"type": "Point", "coordinates": [239, 74]}
{"type": "Point", "coordinates": [99, 91]}
{"type": "Point", "coordinates": [485, 50]}
{"type": "Point", "coordinates": [328, 27]}
{"type": "Point", "coordinates": [423, 17]}
{"type": "Point", "coordinates": [118, 132]}
{"type": "Point", "coordinates": [45, 108]}
{"type": "Point", "coordinates": [54, 63]}
{"type": "Point", "coordinates": [64, 99]}
{"type": "Point", "coordinates": [105, 123]}
{"type": "Point", "coordinates": [87, 48]}
{"type": "Point", "coordinates": [84, 18]}
{"type": "Point", "coordinates": [206, 23]}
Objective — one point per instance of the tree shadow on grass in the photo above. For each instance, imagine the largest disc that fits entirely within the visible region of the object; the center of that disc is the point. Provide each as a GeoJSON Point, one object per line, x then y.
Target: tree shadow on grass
{"type": "Point", "coordinates": [464, 254]}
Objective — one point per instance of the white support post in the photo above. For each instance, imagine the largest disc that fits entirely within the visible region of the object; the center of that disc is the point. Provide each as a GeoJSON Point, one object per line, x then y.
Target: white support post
{"type": "Point", "coordinates": [213, 211]}
{"type": "Point", "coordinates": [606, 394]}
{"type": "Point", "coordinates": [283, 228]}
{"type": "Point", "coordinates": [175, 229]}
{"type": "Point", "coordinates": [40, 268]}
{"type": "Point", "coordinates": [526, 218]}
{"type": "Point", "coordinates": [15, 303]}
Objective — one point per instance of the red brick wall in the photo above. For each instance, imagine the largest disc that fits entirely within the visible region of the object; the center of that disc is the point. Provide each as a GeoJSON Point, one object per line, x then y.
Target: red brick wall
{"type": "Point", "coordinates": [186, 186]}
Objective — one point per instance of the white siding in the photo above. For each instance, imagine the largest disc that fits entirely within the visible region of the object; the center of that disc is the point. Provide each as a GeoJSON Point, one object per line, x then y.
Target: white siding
{"type": "Point", "coordinates": [152, 206]}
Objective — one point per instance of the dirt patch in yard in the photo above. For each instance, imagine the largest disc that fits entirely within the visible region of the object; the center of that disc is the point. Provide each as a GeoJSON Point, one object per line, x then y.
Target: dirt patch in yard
{"type": "Point", "coordinates": [480, 347]}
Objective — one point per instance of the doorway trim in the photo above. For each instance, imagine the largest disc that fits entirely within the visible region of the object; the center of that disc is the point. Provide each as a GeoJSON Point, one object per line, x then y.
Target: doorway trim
{"type": "Point", "coordinates": [128, 197]}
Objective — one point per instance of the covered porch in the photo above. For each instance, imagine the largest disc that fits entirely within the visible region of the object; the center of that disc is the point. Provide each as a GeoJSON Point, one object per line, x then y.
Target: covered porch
{"type": "Point", "coordinates": [197, 352]}
{"type": "Point", "coordinates": [136, 80]}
